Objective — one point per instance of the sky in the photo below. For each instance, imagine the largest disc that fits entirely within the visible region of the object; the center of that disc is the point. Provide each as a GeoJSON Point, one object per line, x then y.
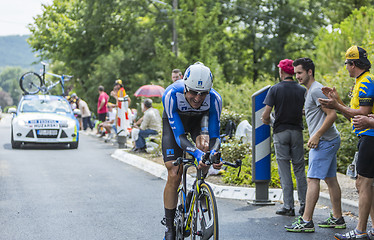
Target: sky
{"type": "Point", "coordinates": [15, 15]}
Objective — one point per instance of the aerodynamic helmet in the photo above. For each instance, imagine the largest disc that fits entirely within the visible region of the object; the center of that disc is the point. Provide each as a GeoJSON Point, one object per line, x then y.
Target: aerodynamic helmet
{"type": "Point", "coordinates": [198, 78]}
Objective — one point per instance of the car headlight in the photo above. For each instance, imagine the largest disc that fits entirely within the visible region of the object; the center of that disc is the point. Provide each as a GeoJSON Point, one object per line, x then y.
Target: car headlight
{"type": "Point", "coordinates": [21, 123]}
{"type": "Point", "coordinates": [63, 124]}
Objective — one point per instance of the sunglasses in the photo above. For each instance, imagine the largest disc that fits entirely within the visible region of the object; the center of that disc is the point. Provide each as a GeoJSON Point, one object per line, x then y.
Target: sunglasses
{"type": "Point", "coordinates": [195, 93]}
{"type": "Point", "coordinates": [348, 62]}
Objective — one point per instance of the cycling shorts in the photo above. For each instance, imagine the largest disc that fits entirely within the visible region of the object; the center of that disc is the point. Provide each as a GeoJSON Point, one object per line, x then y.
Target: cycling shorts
{"type": "Point", "coordinates": [170, 149]}
{"type": "Point", "coordinates": [365, 160]}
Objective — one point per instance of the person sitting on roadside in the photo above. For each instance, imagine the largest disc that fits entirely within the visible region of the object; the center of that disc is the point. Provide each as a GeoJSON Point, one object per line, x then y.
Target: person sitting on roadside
{"type": "Point", "coordinates": [110, 123]}
{"type": "Point", "coordinates": [150, 124]}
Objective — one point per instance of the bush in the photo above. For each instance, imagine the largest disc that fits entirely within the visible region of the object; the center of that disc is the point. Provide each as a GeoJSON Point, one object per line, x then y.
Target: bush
{"type": "Point", "coordinates": [233, 150]}
{"type": "Point", "coordinates": [228, 115]}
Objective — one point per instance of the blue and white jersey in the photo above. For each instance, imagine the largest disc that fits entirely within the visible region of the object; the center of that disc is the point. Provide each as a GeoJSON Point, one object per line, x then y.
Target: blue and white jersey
{"type": "Point", "coordinates": [176, 107]}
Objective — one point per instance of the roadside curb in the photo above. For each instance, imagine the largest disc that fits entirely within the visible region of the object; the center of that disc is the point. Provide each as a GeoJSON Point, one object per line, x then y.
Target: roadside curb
{"type": "Point", "coordinates": [229, 192]}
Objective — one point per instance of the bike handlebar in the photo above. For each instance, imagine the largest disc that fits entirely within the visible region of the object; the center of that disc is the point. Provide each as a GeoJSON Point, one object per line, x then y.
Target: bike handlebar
{"type": "Point", "coordinates": [208, 160]}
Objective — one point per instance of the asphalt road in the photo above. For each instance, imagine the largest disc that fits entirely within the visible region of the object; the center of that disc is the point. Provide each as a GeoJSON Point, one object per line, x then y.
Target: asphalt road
{"type": "Point", "coordinates": [51, 192]}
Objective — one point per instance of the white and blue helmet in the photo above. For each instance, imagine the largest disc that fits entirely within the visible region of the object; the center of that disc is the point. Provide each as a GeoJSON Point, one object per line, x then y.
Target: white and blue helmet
{"type": "Point", "coordinates": [198, 78]}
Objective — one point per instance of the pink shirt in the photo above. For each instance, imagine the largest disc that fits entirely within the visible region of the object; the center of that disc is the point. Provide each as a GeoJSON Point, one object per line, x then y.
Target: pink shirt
{"type": "Point", "coordinates": [102, 96]}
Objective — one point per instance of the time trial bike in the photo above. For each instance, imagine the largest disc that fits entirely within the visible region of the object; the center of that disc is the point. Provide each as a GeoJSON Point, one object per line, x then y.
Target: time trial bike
{"type": "Point", "coordinates": [32, 83]}
{"type": "Point", "coordinates": [197, 215]}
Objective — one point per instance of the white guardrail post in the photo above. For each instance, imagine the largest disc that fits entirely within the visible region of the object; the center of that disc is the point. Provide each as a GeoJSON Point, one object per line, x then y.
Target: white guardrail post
{"type": "Point", "coordinates": [261, 160]}
{"type": "Point", "coordinates": [123, 121]}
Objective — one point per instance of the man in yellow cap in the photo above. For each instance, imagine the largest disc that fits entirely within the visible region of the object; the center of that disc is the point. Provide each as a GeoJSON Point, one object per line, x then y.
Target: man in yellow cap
{"type": "Point", "coordinates": [118, 89]}
{"type": "Point", "coordinates": [361, 104]}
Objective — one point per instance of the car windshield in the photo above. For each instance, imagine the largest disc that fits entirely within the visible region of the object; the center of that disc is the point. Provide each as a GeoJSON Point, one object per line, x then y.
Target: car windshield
{"type": "Point", "coordinates": [45, 106]}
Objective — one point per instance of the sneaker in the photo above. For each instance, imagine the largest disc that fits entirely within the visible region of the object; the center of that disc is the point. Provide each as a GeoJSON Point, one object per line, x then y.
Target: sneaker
{"type": "Point", "coordinates": [286, 212]}
{"type": "Point", "coordinates": [332, 222]}
{"type": "Point", "coordinates": [352, 235]}
{"type": "Point", "coordinates": [371, 234]}
{"type": "Point", "coordinates": [300, 226]}
{"type": "Point", "coordinates": [169, 234]}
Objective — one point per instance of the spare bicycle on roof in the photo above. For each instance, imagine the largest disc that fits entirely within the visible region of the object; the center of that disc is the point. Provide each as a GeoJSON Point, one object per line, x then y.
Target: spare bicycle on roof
{"type": "Point", "coordinates": [33, 83]}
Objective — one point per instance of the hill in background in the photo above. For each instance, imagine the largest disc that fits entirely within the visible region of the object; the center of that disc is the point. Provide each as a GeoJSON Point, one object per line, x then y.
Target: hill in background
{"type": "Point", "coordinates": [16, 52]}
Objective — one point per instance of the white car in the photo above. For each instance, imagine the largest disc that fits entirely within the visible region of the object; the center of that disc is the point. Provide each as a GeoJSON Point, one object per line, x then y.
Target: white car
{"type": "Point", "coordinates": [44, 119]}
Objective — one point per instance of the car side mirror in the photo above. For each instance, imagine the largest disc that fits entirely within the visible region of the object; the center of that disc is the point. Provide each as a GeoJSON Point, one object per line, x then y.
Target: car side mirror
{"type": "Point", "coordinates": [12, 110]}
{"type": "Point", "coordinates": [77, 112]}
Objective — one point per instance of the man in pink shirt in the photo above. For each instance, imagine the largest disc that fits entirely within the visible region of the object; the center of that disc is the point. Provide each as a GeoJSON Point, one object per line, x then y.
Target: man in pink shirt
{"type": "Point", "coordinates": [102, 104]}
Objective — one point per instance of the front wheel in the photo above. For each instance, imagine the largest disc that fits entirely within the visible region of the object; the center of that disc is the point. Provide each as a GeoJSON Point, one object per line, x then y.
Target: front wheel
{"type": "Point", "coordinates": [204, 224]}
{"type": "Point", "coordinates": [30, 83]}
{"type": "Point", "coordinates": [74, 145]}
{"type": "Point", "coordinates": [15, 144]}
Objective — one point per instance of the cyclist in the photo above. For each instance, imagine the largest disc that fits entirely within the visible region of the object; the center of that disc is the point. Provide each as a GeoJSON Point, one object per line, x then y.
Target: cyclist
{"type": "Point", "coordinates": [190, 106]}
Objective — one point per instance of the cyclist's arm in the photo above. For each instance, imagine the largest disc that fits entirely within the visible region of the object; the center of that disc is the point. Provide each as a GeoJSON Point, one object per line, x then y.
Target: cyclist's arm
{"type": "Point", "coordinates": [214, 120]}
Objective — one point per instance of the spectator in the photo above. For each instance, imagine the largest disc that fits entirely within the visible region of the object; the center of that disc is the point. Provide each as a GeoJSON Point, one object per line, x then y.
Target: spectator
{"type": "Point", "coordinates": [176, 74]}
{"type": "Point", "coordinates": [324, 142]}
{"type": "Point", "coordinates": [108, 125]}
{"type": "Point", "coordinates": [102, 104]}
{"type": "Point", "coordinates": [287, 98]}
{"type": "Point", "coordinates": [73, 101]}
{"type": "Point", "coordinates": [150, 124]}
{"type": "Point", "coordinates": [358, 66]}
{"type": "Point", "coordinates": [119, 91]}
{"type": "Point", "coordinates": [85, 113]}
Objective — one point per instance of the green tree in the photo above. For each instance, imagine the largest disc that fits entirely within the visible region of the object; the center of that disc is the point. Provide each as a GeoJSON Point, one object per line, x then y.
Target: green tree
{"type": "Point", "coordinates": [9, 78]}
{"type": "Point", "coordinates": [354, 30]}
{"type": "Point", "coordinates": [338, 10]}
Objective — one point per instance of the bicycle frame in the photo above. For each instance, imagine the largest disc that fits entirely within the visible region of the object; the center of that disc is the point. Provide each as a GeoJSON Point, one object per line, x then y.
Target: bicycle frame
{"type": "Point", "coordinates": [190, 205]}
{"type": "Point", "coordinates": [196, 191]}
{"type": "Point", "coordinates": [62, 80]}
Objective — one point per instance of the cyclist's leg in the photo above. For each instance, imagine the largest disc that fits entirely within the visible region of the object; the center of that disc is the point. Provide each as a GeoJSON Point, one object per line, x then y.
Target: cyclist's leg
{"type": "Point", "coordinates": [171, 152]}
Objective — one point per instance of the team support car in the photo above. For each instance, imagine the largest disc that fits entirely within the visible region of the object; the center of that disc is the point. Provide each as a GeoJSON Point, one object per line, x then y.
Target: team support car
{"type": "Point", "coordinates": [44, 119]}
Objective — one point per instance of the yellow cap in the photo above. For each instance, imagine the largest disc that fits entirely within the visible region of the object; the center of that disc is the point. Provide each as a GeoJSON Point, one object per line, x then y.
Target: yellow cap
{"type": "Point", "coordinates": [357, 53]}
{"type": "Point", "coordinates": [118, 81]}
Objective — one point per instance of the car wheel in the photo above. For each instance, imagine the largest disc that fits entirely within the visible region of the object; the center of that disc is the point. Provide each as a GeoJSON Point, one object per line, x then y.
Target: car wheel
{"type": "Point", "coordinates": [74, 145]}
{"type": "Point", "coordinates": [15, 144]}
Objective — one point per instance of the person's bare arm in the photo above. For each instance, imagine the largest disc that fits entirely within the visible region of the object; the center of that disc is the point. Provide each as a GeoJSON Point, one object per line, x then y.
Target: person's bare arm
{"type": "Point", "coordinates": [361, 122]}
{"type": "Point", "coordinates": [266, 115]}
{"type": "Point", "coordinates": [334, 102]}
{"type": "Point", "coordinates": [329, 120]}
{"type": "Point", "coordinates": [102, 103]}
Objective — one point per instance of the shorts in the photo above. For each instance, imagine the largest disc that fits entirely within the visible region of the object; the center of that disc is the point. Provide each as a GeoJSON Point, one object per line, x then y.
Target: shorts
{"type": "Point", "coordinates": [170, 149]}
{"type": "Point", "coordinates": [365, 160]}
{"type": "Point", "coordinates": [102, 117]}
{"type": "Point", "coordinates": [322, 160]}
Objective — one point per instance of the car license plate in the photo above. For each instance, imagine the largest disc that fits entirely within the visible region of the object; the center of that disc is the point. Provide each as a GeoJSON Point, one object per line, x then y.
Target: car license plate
{"type": "Point", "coordinates": [44, 132]}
